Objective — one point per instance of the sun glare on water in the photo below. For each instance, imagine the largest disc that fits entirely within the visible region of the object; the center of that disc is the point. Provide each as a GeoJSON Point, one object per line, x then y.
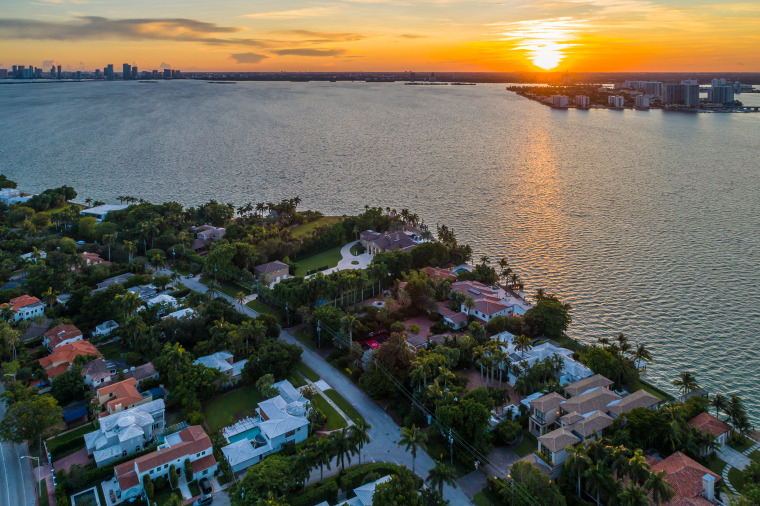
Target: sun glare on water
{"type": "Point", "coordinates": [545, 42]}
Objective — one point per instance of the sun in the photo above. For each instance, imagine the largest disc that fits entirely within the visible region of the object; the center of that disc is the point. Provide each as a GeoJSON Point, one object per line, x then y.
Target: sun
{"type": "Point", "coordinates": [546, 58]}
{"type": "Point", "coordinates": [545, 42]}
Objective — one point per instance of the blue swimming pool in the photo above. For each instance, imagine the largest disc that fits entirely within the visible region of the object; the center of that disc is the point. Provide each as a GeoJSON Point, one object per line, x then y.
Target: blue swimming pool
{"type": "Point", "coordinates": [249, 434]}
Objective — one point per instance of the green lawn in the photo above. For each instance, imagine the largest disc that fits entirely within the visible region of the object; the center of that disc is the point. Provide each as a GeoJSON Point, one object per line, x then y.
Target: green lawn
{"type": "Point", "coordinates": [745, 444]}
{"type": "Point", "coordinates": [304, 229]}
{"type": "Point", "coordinates": [306, 371]}
{"type": "Point", "coordinates": [716, 465]}
{"type": "Point", "coordinates": [63, 439]}
{"type": "Point", "coordinates": [304, 337]}
{"type": "Point", "coordinates": [329, 258]}
{"type": "Point", "coordinates": [334, 420]}
{"type": "Point", "coordinates": [164, 496]}
{"type": "Point", "coordinates": [195, 490]}
{"type": "Point", "coordinates": [111, 351]}
{"type": "Point", "coordinates": [528, 445]}
{"type": "Point", "coordinates": [639, 385]}
{"type": "Point", "coordinates": [344, 405]}
{"type": "Point", "coordinates": [296, 380]}
{"type": "Point", "coordinates": [483, 499]}
{"type": "Point", "coordinates": [755, 455]}
{"type": "Point", "coordinates": [736, 478]}
{"type": "Point", "coordinates": [231, 407]}
{"type": "Point", "coordinates": [44, 500]}
{"type": "Point", "coordinates": [262, 308]}
{"type": "Point", "coordinates": [226, 288]}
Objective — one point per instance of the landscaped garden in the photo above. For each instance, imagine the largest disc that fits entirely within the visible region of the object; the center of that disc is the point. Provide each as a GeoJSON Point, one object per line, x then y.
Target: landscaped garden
{"type": "Point", "coordinates": [344, 405]}
{"type": "Point", "coordinates": [327, 258]}
{"type": "Point", "coordinates": [334, 420]}
{"type": "Point", "coordinates": [231, 407]}
{"type": "Point", "coordinates": [304, 229]}
{"type": "Point", "coordinates": [528, 445]}
{"type": "Point", "coordinates": [111, 351]}
{"type": "Point", "coordinates": [69, 442]}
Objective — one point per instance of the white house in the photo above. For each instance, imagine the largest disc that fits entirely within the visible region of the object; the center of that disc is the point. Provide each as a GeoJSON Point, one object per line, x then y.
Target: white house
{"type": "Point", "coordinates": [10, 196]}
{"type": "Point", "coordinates": [162, 299]}
{"type": "Point", "coordinates": [96, 372]}
{"type": "Point", "coordinates": [29, 257]}
{"type": "Point", "coordinates": [25, 307]}
{"type": "Point", "coordinates": [105, 328]}
{"type": "Point", "coordinates": [126, 432]}
{"type": "Point", "coordinates": [365, 493]}
{"type": "Point", "coordinates": [100, 212]}
{"type": "Point", "coordinates": [181, 314]}
{"type": "Point", "coordinates": [278, 421]}
{"type": "Point", "coordinates": [191, 444]}
{"type": "Point", "coordinates": [60, 335]}
{"type": "Point", "coordinates": [223, 361]}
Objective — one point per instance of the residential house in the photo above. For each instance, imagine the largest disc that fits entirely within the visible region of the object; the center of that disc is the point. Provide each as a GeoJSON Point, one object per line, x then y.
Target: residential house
{"type": "Point", "coordinates": [30, 257]}
{"type": "Point", "coordinates": [588, 402]}
{"type": "Point", "coordinates": [25, 307]}
{"type": "Point", "coordinates": [205, 235]}
{"type": "Point", "coordinates": [278, 421]}
{"type": "Point", "coordinates": [224, 361]}
{"type": "Point", "coordinates": [145, 292]}
{"type": "Point", "coordinates": [638, 399]}
{"type": "Point", "coordinates": [486, 302]}
{"type": "Point", "coordinates": [181, 314]}
{"type": "Point", "coordinates": [586, 384]}
{"type": "Point", "coordinates": [162, 298]}
{"type": "Point", "coordinates": [96, 373]}
{"type": "Point", "coordinates": [105, 328]}
{"type": "Point", "coordinates": [376, 242]}
{"type": "Point", "coordinates": [693, 483]}
{"type": "Point", "coordinates": [63, 298]}
{"type": "Point", "coordinates": [61, 334]}
{"type": "Point", "coordinates": [139, 373]}
{"type": "Point", "coordinates": [126, 432]}
{"type": "Point", "coordinates": [552, 447]}
{"type": "Point", "coordinates": [10, 196]}
{"type": "Point", "coordinates": [63, 357]}
{"type": "Point", "coordinates": [714, 426]}
{"type": "Point", "coordinates": [544, 413]}
{"type": "Point", "coordinates": [454, 319]}
{"type": "Point", "coordinates": [120, 279]}
{"type": "Point", "coordinates": [93, 259]}
{"type": "Point", "coordinates": [120, 396]}
{"type": "Point", "coordinates": [100, 212]}
{"type": "Point", "coordinates": [436, 273]}
{"type": "Point", "coordinates": [363, 495]}
{"type": "Point", "coordinates": [191, 444]}
{"type": "Point", "coordinates": [272, 272]}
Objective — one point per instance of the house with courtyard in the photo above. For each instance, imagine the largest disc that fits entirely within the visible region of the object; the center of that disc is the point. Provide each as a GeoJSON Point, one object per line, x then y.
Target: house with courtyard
{"type": "Point", "coordinates": [278, 421]}
{"type": "Point", "coordinates": [120, 396]}
{"type": "Point", "coordinates": [709, 424]}
{"type": "Point", "coordinates": [126, 432]}
{"type": "Point", "coordinates": [63, 357]}
{"type": "Point", "coordinates": [25, 307]}
{"type": "Point", "coordinates": [61, 334]}
{"type": "Point", "coordinates": [224, 361]}
{"type": "Point", "coordinates": [191, 444]}
{"type": "Point", "coordinates": [272, 272]}
{"type": "Point", "coordinates": [376, 242]}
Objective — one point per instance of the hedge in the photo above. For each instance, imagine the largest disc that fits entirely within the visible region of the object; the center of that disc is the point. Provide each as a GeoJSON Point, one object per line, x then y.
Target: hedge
{"type": "Point", "coordinates": [327, 492]}
{"type": "Point", "coordinates": [353, 477]}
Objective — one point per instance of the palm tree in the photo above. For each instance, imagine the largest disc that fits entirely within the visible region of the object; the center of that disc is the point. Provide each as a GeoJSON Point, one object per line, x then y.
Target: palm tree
{"type": "Point", "coordinates": [212, 289]}
{"type": "Point", "coordinates": [638, 469]}
{"type": "Point", "coordinates": [599, 480]}
{"type": "Point", "coordinates": [469, 304]}
{"type": "Point", "coordinates": [131, 248]}
{"type": "Point", "coordinates": [659, 487]}
{"type": "Point", "coordinates": [321, 453]}
{"type": "Point", "coordinates": [686, 382]}
{"type": "Point", "coordinates": [360, 436]}
{"type": "Point", "coordinates": [49, 297]}
{"type": "Point", "coordinates": [523, 343]}
{"type": "Point", "coordinates": [240, 297]}
{"type": "Point", "coordinates": [634, 496]}
{"type": "Point", "coordinates": [441, 475]}
{"type": "Point", "coordinates": [350, 323]}
{"type": "Point", "coordinates": [109, 240]}
{"type": "Point", "coordinates": [720, 403]}
{"type": "Point", "coordinates": [577, 463]}
{"type": "Point", "coordinates": [641, 355]}
{"type": "Point", "coordinates": [342, 447]}
{"type": "Point", "coordinates": [412, 438]}
{"type": "Point", "coordinates": [129, 302]}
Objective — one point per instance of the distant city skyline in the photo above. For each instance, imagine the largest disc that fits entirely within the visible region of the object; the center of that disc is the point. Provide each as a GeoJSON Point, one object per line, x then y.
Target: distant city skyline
{"type": "Point", "coordinates": [384, 35]}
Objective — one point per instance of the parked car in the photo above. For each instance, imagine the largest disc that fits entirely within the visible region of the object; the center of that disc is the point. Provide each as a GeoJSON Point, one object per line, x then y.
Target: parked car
{"type": "Point", "coordinates": [205, 486]}
{"type": "Point", "coordinates": [203, 501]}
{"type": "Point", "coordinates": [190, 276]}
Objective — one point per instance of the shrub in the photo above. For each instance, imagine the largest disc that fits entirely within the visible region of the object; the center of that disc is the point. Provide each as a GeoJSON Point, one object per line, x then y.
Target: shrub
{"type": "Point", "coordinates": [507, 431]}
{"type": "Point", "coordinates": [327, 492]}
{"type": "Point", "coordinates": [334, 355]}
{"type": "Point", "coordinates": [354, 477]}
{"type": "Point", "coordinates": [61, 497]}
{"type": "Point", "coordinates": [173, 477]}
{"type": "Point", "coordinates": [148, 487]}
{"type": "Point", "coordinates": [188, 471]}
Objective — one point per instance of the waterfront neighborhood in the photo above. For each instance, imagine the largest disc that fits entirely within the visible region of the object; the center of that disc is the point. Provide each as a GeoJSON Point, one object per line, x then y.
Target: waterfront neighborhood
{"type": "Point", "coordinates": [264, 354]}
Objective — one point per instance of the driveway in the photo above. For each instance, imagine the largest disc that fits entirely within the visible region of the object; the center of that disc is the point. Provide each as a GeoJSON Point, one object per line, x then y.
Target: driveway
{"type": "Point", "coordinates": [346, 262]}
{"type": "Point", "coordinates": [733, 458]}
{"type": "Point", "coordinates": [195, 285]}
{"type": "Point", "coordinates": [384, 434]}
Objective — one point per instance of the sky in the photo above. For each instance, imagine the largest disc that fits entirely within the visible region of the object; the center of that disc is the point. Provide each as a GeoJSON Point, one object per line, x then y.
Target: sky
{"type": "Point", "coordinates": [384, 35]}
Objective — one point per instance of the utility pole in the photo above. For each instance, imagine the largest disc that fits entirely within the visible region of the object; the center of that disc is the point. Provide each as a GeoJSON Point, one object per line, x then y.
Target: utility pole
{"type": "Point", "coordinates": [451, 447]}
{"type": "Point", "coordinates": [319, 335]}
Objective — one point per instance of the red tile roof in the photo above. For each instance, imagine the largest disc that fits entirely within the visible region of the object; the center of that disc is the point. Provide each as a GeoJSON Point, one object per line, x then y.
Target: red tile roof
{"type": "Point", "coordinates": [203, 463]}
{"type": "Point", "coordinates": [23, 301]}
{"type": "Point", "coordinates": [436, 273]}
{"type": "Point", "coordinates": [710, 424]}
{"type": "Point", "coordinates": [685, 475]}
{"type": "Point", "coordinates": [194, 440]}
{"type": "Point", "coordinates": [66, 353]}
{"type": "Point", "coordinates": [61, 333]}
{"type": "Point", "coordinates": [124, 393]}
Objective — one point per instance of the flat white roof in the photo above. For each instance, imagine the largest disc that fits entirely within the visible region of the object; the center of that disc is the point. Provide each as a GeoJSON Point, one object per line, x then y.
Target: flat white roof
{"type": "Point", "coordinates": [104, 209]}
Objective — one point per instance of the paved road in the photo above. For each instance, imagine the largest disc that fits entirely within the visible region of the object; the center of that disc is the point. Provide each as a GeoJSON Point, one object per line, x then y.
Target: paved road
{"type": "Point", "coordinates": [196, 285]}
{"type": "Point", "coordinates": [384, 435]}
{"type": "Point", "coordinates": [17, 484]}
{"type": "Point", "coordinates": [345, 263]}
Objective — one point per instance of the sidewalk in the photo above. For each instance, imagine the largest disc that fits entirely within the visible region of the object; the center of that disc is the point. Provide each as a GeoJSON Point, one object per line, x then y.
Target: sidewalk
{"type": "Point", "coordinates": [329, 401]}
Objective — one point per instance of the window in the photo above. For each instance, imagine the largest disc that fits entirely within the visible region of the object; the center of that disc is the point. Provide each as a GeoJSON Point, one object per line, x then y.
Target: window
{"type": "Point", "coordinates": [290, 433]}
{"type": "Point", "coordinates": [205, 471]}
{"type": "Point", "coordinates": [151, 471]}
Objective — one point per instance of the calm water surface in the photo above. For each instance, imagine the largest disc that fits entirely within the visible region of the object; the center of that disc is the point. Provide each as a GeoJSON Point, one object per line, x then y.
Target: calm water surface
{"type": "Point", "coordinates": [648, 223]}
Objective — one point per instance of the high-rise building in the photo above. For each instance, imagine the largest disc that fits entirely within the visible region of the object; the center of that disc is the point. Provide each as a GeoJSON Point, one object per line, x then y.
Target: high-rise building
{"type": "Point", "coordinates": [690, 81]}
{"type": "Point", "coordinates": [673, 94]}
{"type": "Point", "coordinates": [60, 75]}
{"type": "Point", "coordinates": [654, 89]}
{"type": "Point", "coordinates": [155, 74]}
{"type": "Point", "coordinates": [109, 72]}
{"type": "Point", "coordinates": [134, 72]}
{"type": "Point", "coordinates": [3, 73]}
{"type": "Point", "coordinates": [126, 71]}
{"type": "Point", "coordinates": [641, 102]}
{"type": "Point", "coordinates": [52, 72]}
{"type": "Point", "coordinates": [691, 94]}
{"type": "Point", "coordinates": [176, 74]}
{"type": "Point", "coordinates": [559, 101]}
{"type": "Point", "coordinates": [582, 101]}
{"type": "Point", "coordinates": [636, 85]}
{"type": "Point", "coordinates": [720, 94]}
{"type": "Point", "coordinates": [167, 73]}
{"type": "Point", "coordinates": [616, 101]}
{"type": "Point", "coordinates": [97, 74]}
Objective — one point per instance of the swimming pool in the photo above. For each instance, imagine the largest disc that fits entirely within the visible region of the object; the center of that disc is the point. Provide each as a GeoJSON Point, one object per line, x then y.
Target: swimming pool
{"type": "Point", "coordinates": [249, 434]}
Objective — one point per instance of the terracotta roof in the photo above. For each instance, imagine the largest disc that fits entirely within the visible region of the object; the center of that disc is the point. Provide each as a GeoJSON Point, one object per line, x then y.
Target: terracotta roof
{"type": "Point", "coordinates": [591, 401]}
{"type": "Point", "coordinates": [436, 273]}
{"type": "Point", "coordinates": [57, 370]}
{"type": "Point", "coordinates": [547, 402]}
{"type": "Point", "coordinates": [127, 480]}
{"type": "Point", "coordinates": [455, 316]}
{"type": "Point", "coordinates": [123, 393]}
{"type": "Point", "coordinates": [489, 305]}
{"type": "Point", "coordinates": [60, 333]}
{"type": "Point", "coordinates": [194, 440]}
{"type": "Point", "coordinates": [685, 475]}
{"type": "Point", "coordinates": [23, 301]}
{"type": "Point", "coordinates": [710, 424]}
{"type": "Point", "coordinates": [203, 463]}
{"type": "Point", "coordinates": [270, 267]}
{"type": "Point", "coordinates": [638, 399]}
{"type": "Point", "coordinates": [577, 388]}
{"type": "Point", "coordinates": [66, 353]}
{"type": "Point", "coordinates": [557, 440]}
{"type": "Point", "coordinates": [93, 258]}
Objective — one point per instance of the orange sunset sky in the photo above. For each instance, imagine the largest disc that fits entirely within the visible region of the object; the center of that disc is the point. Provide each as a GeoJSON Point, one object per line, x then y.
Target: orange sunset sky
{"type": "Point", "coordinates": [377, 35]}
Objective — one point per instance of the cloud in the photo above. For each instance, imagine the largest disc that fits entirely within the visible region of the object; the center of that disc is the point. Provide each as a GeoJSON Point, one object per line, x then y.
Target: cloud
{"type": "Point", "coordinates": [544, 41]}
{"type": "Point", "coordinates": [323, 36]}
{"type": "Point", "coordinates": [308, 52]}
{"type": "Point", "coordinates": [47, 63]}
{"type": "Point", "coordinates": [98, 28]}
{"type": "Point", "coordinates": [412, 36]}
{"type": "Point", "coordinates": [248, 57]}
{"type": "Point", "coordinates": [308, 12]}
{"type": "Point", "coordinates": [164, 66]}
